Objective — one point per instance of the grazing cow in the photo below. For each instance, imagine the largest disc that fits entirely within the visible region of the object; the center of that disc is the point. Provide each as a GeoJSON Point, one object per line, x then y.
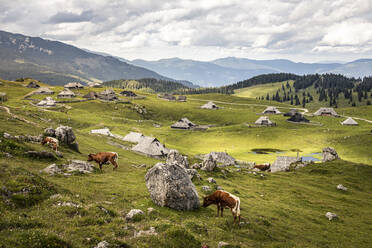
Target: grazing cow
{"type": "Point", "coordinates": [262, 167]}
{"type": "Point", "coordinates": [223, 200]}
{"type": "Point", "coordinates": [104, 158]}
{"type": "Point", "coordinates": [52, 142]}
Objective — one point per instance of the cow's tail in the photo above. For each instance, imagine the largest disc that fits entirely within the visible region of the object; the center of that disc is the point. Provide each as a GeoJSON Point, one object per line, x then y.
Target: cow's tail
{"type": "Point", "coordinates": [116, 157]}
{"type": "Point", "coordinates": [237, 207]}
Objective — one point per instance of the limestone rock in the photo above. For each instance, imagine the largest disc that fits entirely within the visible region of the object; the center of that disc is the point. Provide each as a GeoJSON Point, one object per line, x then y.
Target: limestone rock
{"type": "Point", "coordinates": [211, 180]}
{"type": "Point", "coordinates": [206, 188]}
{"type": "Point", "coordinates": [103, 244]}
{"type": "Point", "coordinates": [209, 163]}
{"type": "Point", "coordinates": [329, 154]}
{"type": "Point", "coordinates": [223, 159]}
{"type": "Point", "coordinates": [52, 169]}
{"type": "Point", "coordinates": [133, 213]}
{"type": "Point", "coordinates": [50, 132]}
{"type": "Point", "coordinates": [78, 165]}
{"type": "Point", "coordinates": [341, 187]}
{"type": "Point", "coordinates": [169, 185]}
{"type": "Point", "coordinates": [331, 216]}
{"type": "Point", "coordinates": [65, 135]}
{"type": "Point", "coordinates": [196, 166]}
{"type": "Point", "coordinates": [175, 157]}
{"type": "Point", "coordinates": [222, 244]}
{"type": "Point", "coordinates": [193, 173]}
{"type": "Point", "coordinates": [149, 232]}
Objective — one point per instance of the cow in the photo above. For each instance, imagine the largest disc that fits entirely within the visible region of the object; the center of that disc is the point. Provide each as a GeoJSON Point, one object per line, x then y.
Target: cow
{"type": "Point", "coordinates": [53, 142]}
{"type": "Point", "coordinates": [262, 167]}
{"type": "Point", "coordinates": [104, 158]}
{"type": "Point", "coordinates": [223, 200]}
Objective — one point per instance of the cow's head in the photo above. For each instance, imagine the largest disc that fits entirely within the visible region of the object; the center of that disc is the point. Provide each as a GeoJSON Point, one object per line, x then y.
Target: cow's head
{"type": "Point", "coordinates": [207, 201]}
{"type": "Point", "coordinates": [90, 157]}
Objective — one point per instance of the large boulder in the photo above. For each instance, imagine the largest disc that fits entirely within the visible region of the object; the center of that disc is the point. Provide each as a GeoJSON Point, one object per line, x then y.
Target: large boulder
{"type": "Point", "coordinates": [65, 135]}
{"type": "Point", "coordinates": [222, 158]}
{"type": "Point", "coordinates": [209, 163]}
{"type": "Point", "coordinates": [52, 169]}
{"type": "Point", "coordinates": [329, 154]}
{"type": "Point", "coordinates": [78, 165]}
{"type": "Point", "coordinates": [175, 157]}
{"type": "Point", "coordinates": [170, 185]}
{"type": "Point", "coordinates": [50, 132]}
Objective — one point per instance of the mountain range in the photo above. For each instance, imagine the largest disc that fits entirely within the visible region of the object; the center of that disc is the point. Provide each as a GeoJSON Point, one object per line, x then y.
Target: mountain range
{"type": "Point", "coordinates": [54, 62]}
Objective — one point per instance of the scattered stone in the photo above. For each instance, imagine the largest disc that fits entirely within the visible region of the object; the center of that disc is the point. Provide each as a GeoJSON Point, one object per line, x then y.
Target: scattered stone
{"type": "Point", "coordinates": [149, 232]}
{"type": "Point", "coordinates": [193, 173]}
{"type": "Point", "coordinates": [150, 210]}
{"type": "Point", "coordinates": [52, 169]}
{"type": "Point", "coordinates": [8, 136]}
{"type": "Point", "coordinates": [209, 163]}
{"type": "Point", "coordinates": [133, 213]}
{"type": "Point", "coordinates": [254, 173]}
{"type": "Point", "coordinates": [211, 180]}
{"type": "Point", "coordinates": [103, 244]}
{"type": "Point", "coordinates": [206, 188]}
{"type": "Point", "coordinates": [65, 135]}
{"type": "Point", "coordinates": [175, 157]}
{"type": "Point", "coordinates": [50, 132]}
{"type": "Point", "coordinates": [341, 187]}
{"type": "Point", "coordinates": [41, 155]}
{"type": "Point", "coordinates": [331, 216]}
{"type": "Point", "coordinates": [78, 165]}
{"type": "Point", "coordinates": [55, 196]}
{"type": "Point", "coordinates": [169, 185]}
{"type": "Point", "coordinates": [219, 188]}
{"type": "Point", "coordinates": [222, 244]}
{"type": "Point", "coordinates": [68, 204]}
{"type": "Point", "coordinates": [329, 154]}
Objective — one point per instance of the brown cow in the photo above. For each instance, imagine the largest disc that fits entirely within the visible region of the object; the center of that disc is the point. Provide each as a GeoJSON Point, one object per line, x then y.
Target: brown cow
{"type": "Point", "coordinates": [53, 142]}
{"type": "Point", "coordinates": [223, 200]}
{"type": "Point", "coordinates": [104, 157]}
{"type": "Point", "coordinates": [262, 167]}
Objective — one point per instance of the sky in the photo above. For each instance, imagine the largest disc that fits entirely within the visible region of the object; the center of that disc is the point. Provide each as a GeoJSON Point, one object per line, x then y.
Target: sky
{"type": "Point", "coordinates": [307, 31]}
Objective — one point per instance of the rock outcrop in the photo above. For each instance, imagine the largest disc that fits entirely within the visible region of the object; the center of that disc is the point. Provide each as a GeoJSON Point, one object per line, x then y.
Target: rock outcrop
{"type": "Point", "coordinates": [329, 154]}
{"type": "Point", "coordinates": [133, 214]}
{"type": "Point", "coordinates": [175, 157]}
{"type": "Point", "coordinates": [65, 135]}
{"type": "Point", "coordinates": [52, 169]}
{"type": "Point", "coordinates": [209, 163]}
{"type": "Point", "coordinates": [80, 166]}
{"type": "Point", "coordinates": [223, 159]}
{"type": "Point", "coordinates": [169, 185]}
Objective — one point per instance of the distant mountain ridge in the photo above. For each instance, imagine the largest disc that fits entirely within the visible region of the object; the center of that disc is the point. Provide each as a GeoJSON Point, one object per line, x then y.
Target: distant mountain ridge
{"type": "Point", "coordinates": [225, 71]}
{"type": "Point", "coordinates": [56, 63]}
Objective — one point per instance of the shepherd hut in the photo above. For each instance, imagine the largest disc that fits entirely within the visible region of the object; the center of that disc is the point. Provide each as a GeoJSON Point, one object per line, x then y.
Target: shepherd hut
{"type": "Point", "coordinates": [128, 93]}
{"type": "Point", "coordinates": [151, 147]}
{"type": "Point", "coordinates": [66, 93]}
{"type": "Point", "coordinates": [43, 91]}
{"type": "Point", "coordinates": [74, 85]}
{"type": "Point", "coordinates": [326, 112]}
{"type": "Point", "coordinates": [349, 122]}
{"type": "Point", "coordinates": [209, 105]}
{"type": "Point", "coordinates": [182, 98]}
{"type": "Point", "coordinates": [298, 117]}
{"type": "Point", "coordinates": [264, 121]}
{"type": "Point", "coordinates": [47, 102]}
{"type": "Point", "coordinates": [133, 137]}
{"type": "Point", "coordinates": [168, 97]}
{"type": "Point", "coordinates": [91, 95]}
{"type": "Point", "coordinates": [184, 123]}
{"type": "Point", "coordinates": [108, 95]}
{"type": "Point", "coordinates": [33, 84]}
{"type": "Point", "coordinates": [271, 110]}
{"type": "Point", "coordinates": [291, 112]}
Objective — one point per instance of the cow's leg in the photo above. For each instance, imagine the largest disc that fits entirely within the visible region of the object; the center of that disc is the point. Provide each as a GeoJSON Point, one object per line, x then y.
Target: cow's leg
{"type": "Point", "coordinates": [100, 166]}
{"type": "Point", "coordinates": [218, 210]}
{"type": "Point", "coordinates": [113, 162]}
{"type": "Point", "coordinates": [221, 211]}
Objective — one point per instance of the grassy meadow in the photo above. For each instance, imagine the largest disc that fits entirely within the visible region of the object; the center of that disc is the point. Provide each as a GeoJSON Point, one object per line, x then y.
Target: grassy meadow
{"type": "Point", "coordinates": [278, 210]}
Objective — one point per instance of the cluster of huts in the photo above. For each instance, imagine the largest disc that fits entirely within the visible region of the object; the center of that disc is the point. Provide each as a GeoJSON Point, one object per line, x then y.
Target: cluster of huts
{"type": "Point", "coordinates": [171, 97]}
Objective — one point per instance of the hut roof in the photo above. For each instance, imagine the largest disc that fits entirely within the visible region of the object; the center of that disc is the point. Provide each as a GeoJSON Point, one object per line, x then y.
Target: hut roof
{"type": "Point", "coordinates": [291, 112]}
{"type": "Point", "coordinates": [43, 90]}
{"type": "Point", "coordinates": [271, 110]}
{"type": "Point", "coordinates": [182, 98]}
{"type": "Point", "coordinates": [184, 123]}
{"type": "Point", "coordinates": [108, 95]}
{"type": "Point", "coordinates": [33, 84]}
{"type": "Point", "coordinates": [95, 85]}
{"type": "Point", "coordinates": [349, 121]}
{"type": "Point", "coordinates": [264, 120]}
{"type": "Point", "coordinates": [47, 102]}
{"type": "Point", "coordinates": [91, 95]}
{"type": "Point", "coordinates": [133, 137]}
{"type": "Point", "coordinates": [166, 96]}
{"type": "Point", "coordinates": [209, 105]}
{"type": "Point", "coordinates": [74, 85]}
{"type": "Point", "coordinates": [151, 147]}
{"type": "Point", "coordinates": [283, 163]}
{"type": "Point", "coordinates": [326, 111]}
{"type": "Point", "coordinates": [128, 93]}
{"type": "Point", "coordinates": [66, 93]}
{"type": "Point", "coordinates": [298, 117]}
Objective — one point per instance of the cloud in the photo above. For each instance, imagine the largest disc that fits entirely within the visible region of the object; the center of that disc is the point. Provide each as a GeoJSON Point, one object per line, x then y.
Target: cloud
{"type": "Point", "coordinates": [200, 29]}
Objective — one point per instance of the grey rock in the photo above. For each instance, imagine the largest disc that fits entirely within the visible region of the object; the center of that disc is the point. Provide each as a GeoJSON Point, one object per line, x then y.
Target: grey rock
{"type": "Point", "coordinates": [150, 210]}
{"type": "Point", "coordinates": [196, 166]}
{"type": "Point", "coordinates": [193, 173]}
{"type": "Point", "coordinates": [219, 188]}
{"type": "Point", "coordinates": [341, 187]}
{"type": "Point", "coordinates": [69, 204]}
{"type": "Point", "coordinates": [52, 169]}
{"type": "Point", "coordinates": [329, 154]}
{"type": "Point", "coordinates": [8, 136]}
{"type": "Point", "coordinates": [222, 244]}
{"type": "Point", "coordinates": [331, 216]}
{"type": "Point", "coordinates": [149, 232]}
{"type": "Point", "coordinates": [78, 165]}
{"type": "Point", "coordinates": [133, 213]}
{"type": "Point", "coordinates": [175, 157]}
{"type": "Point", "coordinates": [209, 163]}
{"type": "Point", "coordinates": [211, 180]}
{"type": "Point", "coordinates": [222, 158]}
{"type": "Point", "coordinates": [50, 132]}
{"type": "Point", "coordinates": [65, 135]}
{"type": "Point", "coordinates": [103, 244]}
{"type": "Point", "coordinates": [169, 185]}
{"type": "Point", "coordinates": [283, 163]}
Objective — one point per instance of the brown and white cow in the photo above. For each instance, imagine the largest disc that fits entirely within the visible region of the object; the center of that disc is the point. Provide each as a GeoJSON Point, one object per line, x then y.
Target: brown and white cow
{"type": "Point", "coordinates": [52, 142]}
{"type": "Point", "coordinates": [223, 200]}
{"type": "Point", "coordinates": [262, 167]}
{"type": "Point", "coordinates": [104, 158]}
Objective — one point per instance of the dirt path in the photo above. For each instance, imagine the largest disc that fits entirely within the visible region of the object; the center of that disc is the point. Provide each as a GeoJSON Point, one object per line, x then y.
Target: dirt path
{"type": "Point", "coordinates": [17, 117]}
